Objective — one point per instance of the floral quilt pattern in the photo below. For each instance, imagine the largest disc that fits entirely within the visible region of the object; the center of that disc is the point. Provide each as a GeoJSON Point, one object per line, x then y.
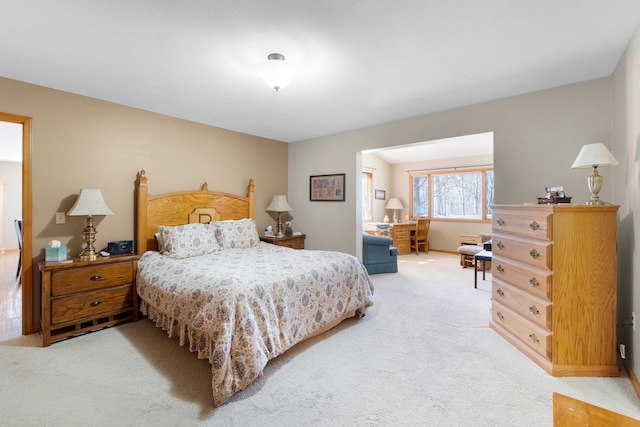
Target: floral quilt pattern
{"type": "Point", "coordinates": [239, 308]}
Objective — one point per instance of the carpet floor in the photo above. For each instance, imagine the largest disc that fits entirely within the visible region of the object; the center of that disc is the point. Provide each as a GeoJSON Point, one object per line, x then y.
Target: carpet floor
{"type": "Point", "coordinates": [423, 355]}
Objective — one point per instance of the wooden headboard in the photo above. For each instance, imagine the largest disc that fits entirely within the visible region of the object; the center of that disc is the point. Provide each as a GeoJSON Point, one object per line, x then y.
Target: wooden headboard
{"type": "Point", "coordinates": [183, 207]}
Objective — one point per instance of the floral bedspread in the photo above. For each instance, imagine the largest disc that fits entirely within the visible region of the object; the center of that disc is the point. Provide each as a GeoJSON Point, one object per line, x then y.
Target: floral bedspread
{"type": "Point", "coordinates": [239, 308]}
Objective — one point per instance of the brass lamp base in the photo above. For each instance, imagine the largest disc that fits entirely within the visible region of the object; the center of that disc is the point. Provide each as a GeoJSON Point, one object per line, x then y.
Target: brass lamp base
{"type": "Point", "coordinates": [595, 184]}
{"type": "Point", "coordinates": [89, 233]}
{"type": "Point", "coordinates": [279, 232]}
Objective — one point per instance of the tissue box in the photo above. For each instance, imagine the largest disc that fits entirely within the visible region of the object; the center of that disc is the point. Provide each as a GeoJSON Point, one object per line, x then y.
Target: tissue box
{"type": "Point", "coordinates": [55, 254]}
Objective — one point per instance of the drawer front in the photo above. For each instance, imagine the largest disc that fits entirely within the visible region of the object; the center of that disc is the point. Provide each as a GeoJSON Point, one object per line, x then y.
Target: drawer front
{"type": "Point", "coordinates": [536, 281]}
{"type": "Point", "coordinates": [400, 232]}
{"type": "Point", "coordinates": [404, 247]}
{"type": "Point", "coordinates": [91, 304]}
{"type": "Point", "coordinates": [534, 309]}
{"type": "Point", "coordinates": [534, 225]}
{"type": "Point", "coordinates": [293, 244]}
{"type": "Point", "coordinates": [533, 252]}
{"type": "Point", "coordinates": [92, 277]}
{"type": "Point", "coordinates": [533, 336]}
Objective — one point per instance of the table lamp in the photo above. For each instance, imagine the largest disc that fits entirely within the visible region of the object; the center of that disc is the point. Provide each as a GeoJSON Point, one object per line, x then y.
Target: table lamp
{"type": "Point", "coordinates": [279, 204]}
{"type": "Point", "coordinates": [89, 203]}
{"type": "Point", "coordinates": [594, 155]}
{"type": "Point", "coordinates": [394, 204]}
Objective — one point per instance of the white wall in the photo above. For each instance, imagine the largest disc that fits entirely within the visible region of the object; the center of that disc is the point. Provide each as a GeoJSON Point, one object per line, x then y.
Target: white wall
{"type": "Point", "coordinates": [537, 137]}
{"type": "Point", "coordinates": [381, 171]}
{"type": "Point", "coordinates": [626, 179]}
{"type": "Point", "coordinates": [11, 174]}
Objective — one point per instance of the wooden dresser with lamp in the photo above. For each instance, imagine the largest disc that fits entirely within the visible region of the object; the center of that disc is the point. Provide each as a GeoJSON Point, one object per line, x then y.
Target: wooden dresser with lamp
{"type": "Point", "coordinates": [554, 285]}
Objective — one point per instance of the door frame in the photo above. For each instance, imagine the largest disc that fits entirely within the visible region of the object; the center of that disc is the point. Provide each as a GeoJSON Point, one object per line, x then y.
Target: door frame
{"type": "Point", "coordinates": [26, 280]}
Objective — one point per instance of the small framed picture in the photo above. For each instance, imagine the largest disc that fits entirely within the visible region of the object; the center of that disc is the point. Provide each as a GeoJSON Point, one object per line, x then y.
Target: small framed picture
{"type": "Point", "coordinates": [381, 194]}
{"type": "Point", "coordinates": [327, 188]}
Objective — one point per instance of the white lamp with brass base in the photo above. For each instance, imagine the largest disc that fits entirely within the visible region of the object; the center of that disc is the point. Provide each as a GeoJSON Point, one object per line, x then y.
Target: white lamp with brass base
{"type": "Point", "coordinates": [594, 155]}
{"type": "Point", "coordinates": [279, 204]}
{"type": "Point", "coordinates": [89, 203]}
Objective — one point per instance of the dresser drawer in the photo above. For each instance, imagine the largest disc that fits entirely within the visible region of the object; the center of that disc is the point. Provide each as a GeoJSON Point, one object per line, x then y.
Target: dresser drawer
{"type": "Point", "coordinates": [91, 304]}
{"type": "Point", "coordinates": [400, 232]}
{"type": "Point", "coordinates": [530, 279]}
{"type": "Point", "coordinates": [525, 304]}
{"type": "Point", "coordinates": [532, 252]}
{"type": "Point", "coordinates": [535, 225]}
{"type": "Point", "coordinates": [69, 281]}
{"type": "Point", "coordinates": [533, 336]}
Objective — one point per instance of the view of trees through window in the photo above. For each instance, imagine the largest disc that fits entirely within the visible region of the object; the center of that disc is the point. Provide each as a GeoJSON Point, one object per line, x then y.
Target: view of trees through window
{"type": "Point", "coordinates": [457, 195]}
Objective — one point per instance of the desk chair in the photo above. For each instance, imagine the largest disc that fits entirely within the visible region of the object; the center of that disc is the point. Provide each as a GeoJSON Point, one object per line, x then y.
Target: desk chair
{"type": "Point", "coordinates": [419, 237]}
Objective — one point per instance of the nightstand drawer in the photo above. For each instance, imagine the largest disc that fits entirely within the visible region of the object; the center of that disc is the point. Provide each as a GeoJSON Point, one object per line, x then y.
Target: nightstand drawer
{"type": "Point", "coordinates": [91, 305]}
{"type": "Point", "coordinates": [90, 278]}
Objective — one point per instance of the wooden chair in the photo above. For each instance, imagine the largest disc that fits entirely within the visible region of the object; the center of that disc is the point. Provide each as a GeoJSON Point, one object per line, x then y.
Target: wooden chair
{"type": "Point", "coordinates": [419, 237]}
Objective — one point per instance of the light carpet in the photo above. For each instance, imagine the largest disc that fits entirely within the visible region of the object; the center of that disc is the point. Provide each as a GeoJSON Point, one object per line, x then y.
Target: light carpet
{"type": "Point", "coordinates": [423, 355]}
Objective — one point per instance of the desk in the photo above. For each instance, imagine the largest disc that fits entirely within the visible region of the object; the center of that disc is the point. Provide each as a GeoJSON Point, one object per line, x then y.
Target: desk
{"type": "Point", "coordinates": [400, 232]}
{"type": "Point", "coordinates": [483, 256]}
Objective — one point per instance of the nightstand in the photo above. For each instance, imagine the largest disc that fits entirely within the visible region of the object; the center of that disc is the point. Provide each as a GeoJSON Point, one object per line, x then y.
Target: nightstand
{"type": "Point", "coordinates": [294, 242]}
{"type": "Point", "coordinates": [84, 296]}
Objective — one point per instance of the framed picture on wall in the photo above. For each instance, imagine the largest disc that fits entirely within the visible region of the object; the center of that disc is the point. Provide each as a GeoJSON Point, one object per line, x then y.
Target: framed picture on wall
{"type": "Point", "coordinates": [327, 188]}
{"type": "Point", "coordinates": [381, 194]}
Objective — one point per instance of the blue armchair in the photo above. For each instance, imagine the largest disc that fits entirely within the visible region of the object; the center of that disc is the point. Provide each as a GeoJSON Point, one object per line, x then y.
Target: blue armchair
{"type": "Point", "coordinates": [378, 254]}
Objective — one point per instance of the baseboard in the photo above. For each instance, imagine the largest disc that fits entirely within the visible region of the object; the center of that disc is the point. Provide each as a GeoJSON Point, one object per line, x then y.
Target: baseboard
{"type": "Point", "coordinates": [632, 377]}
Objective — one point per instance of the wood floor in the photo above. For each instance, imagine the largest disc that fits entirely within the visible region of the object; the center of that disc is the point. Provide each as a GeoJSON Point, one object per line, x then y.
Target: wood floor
{"type": "Point", "coordinates": [10, 297]}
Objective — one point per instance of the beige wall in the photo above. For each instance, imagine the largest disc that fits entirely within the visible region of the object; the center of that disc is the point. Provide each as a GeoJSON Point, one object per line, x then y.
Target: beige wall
{"type": "Point", "coordinates": [537, 137]}
{"type": "Point", "coordinates": [382, 180]}
{"type": "Point", "coordinates": [83, 142]}
{"type": "Point", "coordinates": [626, 178]}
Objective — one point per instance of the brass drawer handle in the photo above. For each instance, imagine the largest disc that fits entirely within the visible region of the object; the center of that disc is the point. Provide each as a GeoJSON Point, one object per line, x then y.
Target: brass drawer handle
{"type": "Point", "coordinates": [500, 221]}
{"type": "Point", "coordinates": [533, 309]}
{"type": "Point", "coordinates": [533, 338]}
{"type": "Point", "coordinates": [95, 303]}
{"type": "Point", "coordinates": [500, 268]}
{"type": "Point", "coordinates": [96, 277]}
{"type": "Point", "coordinates": [500, 292]}
{"type": "Point", "coordinates": [534, 282]}
{"type": "Point", "coordinates": [499, 316]}
{"type": "Point", "coordinates": [534, 225]}
{"type": "Point", "coordinates": [500, 245]}
{"type": "Point", "coordinates": [534, 254]}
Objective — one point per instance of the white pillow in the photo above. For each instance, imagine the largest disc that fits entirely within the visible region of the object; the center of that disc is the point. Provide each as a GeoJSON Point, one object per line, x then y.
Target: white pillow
{"type": "Point", "coordinates": [189, 240]}
{"type": "Point", "coordinates": [237, 234]}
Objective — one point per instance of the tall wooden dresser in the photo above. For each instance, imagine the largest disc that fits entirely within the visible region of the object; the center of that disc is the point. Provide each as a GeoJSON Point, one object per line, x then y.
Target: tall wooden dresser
{"type": "Point", "coordinates": [554, 285]}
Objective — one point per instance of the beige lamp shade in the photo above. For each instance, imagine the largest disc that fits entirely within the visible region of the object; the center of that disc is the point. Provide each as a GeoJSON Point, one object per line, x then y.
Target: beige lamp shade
{"type": "Point", "coordinates": [279, 204]}
{"type": "Point", "coordinates": [89, 203]}
{"type": "Point", "coordinates": [593, 155]}
{"type": "Point", "coordinates": [394, 203]}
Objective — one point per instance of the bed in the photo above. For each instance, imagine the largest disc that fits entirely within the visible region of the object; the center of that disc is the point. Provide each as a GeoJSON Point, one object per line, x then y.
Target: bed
{"type": "Point", "coordinates": [244, 302]}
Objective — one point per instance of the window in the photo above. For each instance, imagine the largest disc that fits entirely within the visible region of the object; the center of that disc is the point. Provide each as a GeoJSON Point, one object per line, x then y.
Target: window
{"type": "Point", "coordinates": [367, 196]}
{"type": "Point", "coordinates": [459, 195]}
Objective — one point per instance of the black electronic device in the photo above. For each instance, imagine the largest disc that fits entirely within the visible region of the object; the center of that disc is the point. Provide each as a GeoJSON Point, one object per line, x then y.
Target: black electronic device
{"type": "Point", "coordinates": [120, 247]}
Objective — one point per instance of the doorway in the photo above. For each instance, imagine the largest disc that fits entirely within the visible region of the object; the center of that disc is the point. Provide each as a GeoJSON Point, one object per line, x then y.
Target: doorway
{"type": "Point", "coordinates": [26, 279]}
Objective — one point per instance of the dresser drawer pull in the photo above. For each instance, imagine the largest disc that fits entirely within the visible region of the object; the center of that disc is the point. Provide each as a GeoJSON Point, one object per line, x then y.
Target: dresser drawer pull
{"type": "Point", "coordinates": [500, 268]}
{"type": "Point", "coordinates": [500, 245]}
{"type": "Point", "coordinates": [500, 292]}
{"type": "Point", "coordinates": [534, 225]}
{"type": "Point", "coordinates": [534, 282]}
{"type": "Point", "coordinates": [533, 309]}
{"type": "Point", "coordinates": [95, 303]}
{"type": "Point", "coordinates": [533, 338]}
{"type": "Point", "coordinates": [96, 277]}
{"type": "Point", "coordinates": [499, 316]}
{"type": "Point", "coordinates": [534, 254]}
{"type": "Point", "coordinates": [500, 221]}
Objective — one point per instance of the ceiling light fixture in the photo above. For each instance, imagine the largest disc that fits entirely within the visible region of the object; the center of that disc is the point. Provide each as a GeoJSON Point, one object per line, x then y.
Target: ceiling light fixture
{"type": "Point", "coordinates": [275, 72]}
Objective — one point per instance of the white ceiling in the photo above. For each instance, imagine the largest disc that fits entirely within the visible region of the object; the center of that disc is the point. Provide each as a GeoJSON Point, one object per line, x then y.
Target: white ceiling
{"type": "Point", "coordinates": [359, 62]}
{"type": "Point", "coordinates": [462, 146]}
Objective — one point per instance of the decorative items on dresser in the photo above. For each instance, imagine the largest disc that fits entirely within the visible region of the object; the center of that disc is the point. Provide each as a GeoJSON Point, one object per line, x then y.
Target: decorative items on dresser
{"type": "Point", "coordinates": [554, 285]}
{"type": "Point", "coordinates": [83, 296]}
{"type": "Point", "coordinates": [294, 241]}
